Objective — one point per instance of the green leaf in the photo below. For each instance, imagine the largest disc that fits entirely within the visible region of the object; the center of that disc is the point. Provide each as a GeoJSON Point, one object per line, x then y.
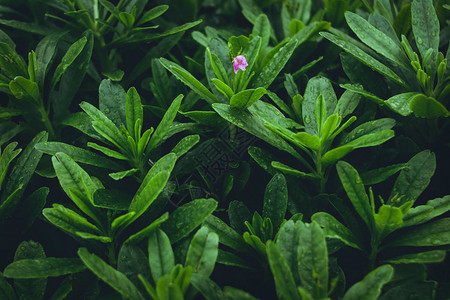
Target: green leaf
{"type": "Point", "coordinates": [189, 80]}
{"type": "Point", "coordinates": [370, 287]}
{"type": "Point", "coordinates": [387, 220]}
{"type": "Point", "coordinates": [142, 200]}
{"type": "Point", "coordinates": [69, 220]}
{"type": "Point", "coordinates": [90, 236]}
{"type": "Point", "coordinates": [127, 19]}
{"type": "Point", "coordinates": [223, 88]}
{"type": "Point", "coordinates": [420, 289]}
{"type": "Point", "coordinates": [308, 140]}
{"type": "Point", "coordinates": [236, 294]}
{"type": "Point", "coordinates": [427, 107]}
{"type": "Point", "coordinates": [185, 144]}
{"type": "Point", "coordinates": [32, 207]}
{"type": "Point", "coordinates": [332, 228]}
{"type": "Point", "coordinates": [347, 103]}
{"type": "Point", "coordinates": [11, 63]}
{"type": "Point", "coordinates": [439, 206]}
{"type": "Point", "coordinates": [371, 127]}
{"type": "Point", "coordinates": [32, 288]}
{"type": "Point", "coordinates": [371, 139]}
{"type": "Point", "coordinates": [24, 168]}
{"type": "Point", "coordinates": [188, 217]}
{"type": "Point", "coordinates": [381, 174]}
{"type": "Point", "coordinates": [247, 98]}
{"type": "Point", "coordinates": [425, 26]}
{"type": "Point", "coordinates": [134, 112]}
{"type": "Point", "coordinates": [72, 79]}
{"type": "Point", "coordinates": [227, 236]}
{"type": "Point", "coordinates": [111, 199]}
{"type": "Point", "coordinates": [152, 14]}
{"type": "Point", "coordinates": [376, 39]}
{"type": "Point", "coordinates": [76, 183]}
{"type": "Point", "coordinates": [132, 261]}
{"type": "Point", "coordinates": [284, 280]}
{"type": "Point", "coordinates": [26, 89]}
{"type": "Point", "coordinates": [72, 53]}
{"type": "Point", "coordinates": [142, 234]}
{"type": "Point", "coordinates": [202, 252]}
{"type": "Point", "coordinates": [358, 88]}
{"type": "Point", "coordinates": [434, 256]}
{"type": "Point", "coordinates": [77, 154]}
{"type": "Point", "coordinates": [275, 65]}
{"type": "Point", "coordinates": [6, 290]}
{"type": "Point", "coordinates": [105, 127]}
{"type": "Point", "coordinates": [208, 288]}
{"type": "Point", "coordinates": [165, 123]}
{"type": "Point", "coordinates": [288, 242]}
{"type": "Point", "coordinates": [262, 28]}
{"type": "Point", "coordinates": [112, 102]}
{"type": "Point", "coordinates": [345, 42]}
{"type": "Point", "coordinates": [400, 103]}
{"type": "Point", "coordinates": [6, 158]}
{"type": "Point", "coordinates": [253, 125]}
{"type": "Point", "coordinates": [317, 86]}
{"type": "Point", "coordinates": [275, 201]}
{"type": "Point", "coordinates": [291, 171]}
{"type": "Point", "coordinates": [313, 260]}
{"type": "Point", "coordinates": [160, 255]}
{"type": "Point", "coordinates": [108, 274]}
{"type": "Point", "coordinates": [43, 267]}
{"type": "Point", "coordinates": [356, 192]}
{"type": "Point", "coordinates": [436, 233]}
{"type": "Point", "coordinates": [414, 178]}
{"type": "Point", "coordinates": [230, 259]}
{"type": "Point", "coordinates": [330, 157]}
{"type": "Point", "coordinates": [122, 174]}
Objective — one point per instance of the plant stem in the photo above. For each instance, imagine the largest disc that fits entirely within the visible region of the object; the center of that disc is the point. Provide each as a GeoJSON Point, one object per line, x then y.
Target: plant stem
{"type": "Point", "coordinates": [46, 121]}
{"type": "Point", "coordinates": [373, 256]}
{"type": "Point", "coordinates": [112, 255]}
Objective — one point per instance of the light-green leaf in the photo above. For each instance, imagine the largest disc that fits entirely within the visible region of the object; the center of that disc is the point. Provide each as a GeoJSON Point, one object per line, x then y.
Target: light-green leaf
{"type": "Point", "coordinates": [26, 89]}
{"type": "Point", "coordinates": [160, 255]}
{"type": "Point", "coordinates": [189, 80]}
{"type": "Point", "coordinates": [247, 98]}
{"type": "Point", "coordinates": [202, 252]}
{"type": "Point", "coordinates": [387, 220]}
{"type": "Point", "coordinates": [427, 107]}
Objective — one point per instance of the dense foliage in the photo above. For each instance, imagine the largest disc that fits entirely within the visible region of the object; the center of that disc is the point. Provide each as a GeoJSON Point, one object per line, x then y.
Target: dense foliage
{"type": "Point", "coordinates": [224, 149]}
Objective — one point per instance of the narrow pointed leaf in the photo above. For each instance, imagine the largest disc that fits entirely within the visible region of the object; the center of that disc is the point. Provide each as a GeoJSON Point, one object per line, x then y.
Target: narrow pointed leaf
{"type": "Point", "coordinates": [111, 276]}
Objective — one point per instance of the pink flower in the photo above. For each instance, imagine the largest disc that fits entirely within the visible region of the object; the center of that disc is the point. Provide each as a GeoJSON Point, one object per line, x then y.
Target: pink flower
{"type": "Point", "coordinates": [239, 62]}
